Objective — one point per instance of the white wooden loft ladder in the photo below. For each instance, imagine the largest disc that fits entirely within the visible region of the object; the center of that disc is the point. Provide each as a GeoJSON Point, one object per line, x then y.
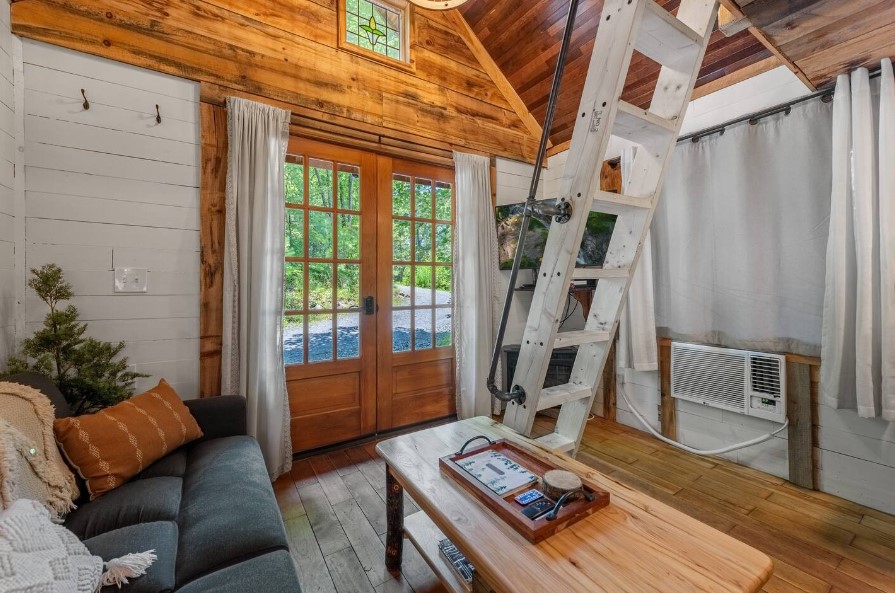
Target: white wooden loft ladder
{"type": "Point", "coordinates": [678, 44]}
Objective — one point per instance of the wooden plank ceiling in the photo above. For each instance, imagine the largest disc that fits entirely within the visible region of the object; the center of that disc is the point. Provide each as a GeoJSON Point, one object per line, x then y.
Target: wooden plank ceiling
{"type": "Point", "coordinates": [824, 38]}
{"type": "Point", "coordinates": [523, 38]}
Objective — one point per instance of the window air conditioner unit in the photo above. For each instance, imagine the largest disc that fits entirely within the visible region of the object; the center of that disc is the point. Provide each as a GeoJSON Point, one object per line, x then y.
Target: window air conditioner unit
{"type": "Point", "coordinates": [750, 383]}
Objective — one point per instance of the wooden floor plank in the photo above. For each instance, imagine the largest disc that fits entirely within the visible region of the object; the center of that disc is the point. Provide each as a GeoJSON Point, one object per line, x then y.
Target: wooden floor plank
{"type": "Point", "coordinates": [302, 473]}
{"type": "Point", "coordinates": [329, 479]}
{"type": "Point", "coordinates": [399, 585]}
{"type": "Point", "coordinates": [327, 528]}
{"type": "Point", "coordinates": [313, 574]}
{"type": "Point", "coordinates": [364, 540]}
{"type": "Point", "coordinates": [374, 471]}
{"type": "Point", "coordinates": [343, 464]}
{"type": "Point", "coordinates": [288, 499]}
{"type": "Point", "coordinates": [778, 585]}
{"type": "Point", "coordinates": [347, 572]}
{"type": "Point", "coordinates": [876, 523]}
{"type": "Point", "coordinates": [368, 500]}
{"type": "Point", "coordinates": [862, 572]}
{"type": "Point", "coordinates": [630, 468]}
{"type": "Point", "coordinates": [799, 578]}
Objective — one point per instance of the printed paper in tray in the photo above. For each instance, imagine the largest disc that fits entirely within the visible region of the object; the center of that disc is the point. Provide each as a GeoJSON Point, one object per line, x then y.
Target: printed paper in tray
{"type": "Point", "coordinates": [498, 472]}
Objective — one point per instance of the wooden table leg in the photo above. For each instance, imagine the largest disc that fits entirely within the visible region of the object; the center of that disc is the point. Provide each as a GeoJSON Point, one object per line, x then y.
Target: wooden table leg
{"type": "Point", "coordinates": [394, 515]}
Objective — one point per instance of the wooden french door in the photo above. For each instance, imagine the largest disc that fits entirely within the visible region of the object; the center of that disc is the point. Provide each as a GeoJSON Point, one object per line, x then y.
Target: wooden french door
{"type": "Point", "coordinates": [415, 359]}
{"type": "Point", "coordinates": [365, 350]}
{"type": "Point", "coordinates": [328, 336]}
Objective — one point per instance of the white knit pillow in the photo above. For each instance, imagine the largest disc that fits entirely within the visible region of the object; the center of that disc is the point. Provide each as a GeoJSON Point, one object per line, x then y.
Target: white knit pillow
{"type": "Point", "coordinates": [38, 555]}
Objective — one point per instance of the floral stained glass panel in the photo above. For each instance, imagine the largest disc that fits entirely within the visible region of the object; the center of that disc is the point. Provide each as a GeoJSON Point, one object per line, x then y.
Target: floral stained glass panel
{"type": "Point", "coordinates": [374, 26]}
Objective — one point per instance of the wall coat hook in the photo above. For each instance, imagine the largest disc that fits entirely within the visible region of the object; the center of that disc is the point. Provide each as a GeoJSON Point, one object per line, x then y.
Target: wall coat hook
{"type": "Point", "coordinates": [158, 115]}
{"type": "Point", "coordinates": [86, 102]}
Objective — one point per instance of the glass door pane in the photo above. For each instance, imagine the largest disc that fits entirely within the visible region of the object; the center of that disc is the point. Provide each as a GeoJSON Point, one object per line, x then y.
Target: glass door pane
{"type": "Point", "coordinates": [422, 263]}
{"type": "Point", "coordinates": [323, 275]}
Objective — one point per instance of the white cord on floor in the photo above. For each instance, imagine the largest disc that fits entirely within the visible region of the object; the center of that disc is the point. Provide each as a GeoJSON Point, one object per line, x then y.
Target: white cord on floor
{"type": "Point", "coordinates": [727, 449]}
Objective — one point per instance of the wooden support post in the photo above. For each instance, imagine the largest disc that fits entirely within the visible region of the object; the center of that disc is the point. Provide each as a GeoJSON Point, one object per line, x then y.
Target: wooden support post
{"type": "Point", "coordinates": [394, 517]}
{"type": "Point", "coordinates": [668, 415]}
{"type": "Point", "coordinates": [212, 204]}
{"type": "Point", "coordinates": [814, 373]}
{"type": "Point", "coordinates": [609, 384]}
{"type": "Point", "coordinates": [798, 410]}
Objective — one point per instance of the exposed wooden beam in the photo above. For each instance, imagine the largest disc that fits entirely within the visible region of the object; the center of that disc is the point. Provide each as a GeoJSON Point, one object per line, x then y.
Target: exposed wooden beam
{"type": "Point", "coordinates": [314, 125]}
{"type": "Point", "coordinates": [737, 12]}
{"type": "Point", "coordinates": [766, 12]}
{"type": "Point", "coordinates": [730, 24]}
{"type": "Point", "coordinates": [558, 148]}
{"type": "Point", "coordinates": [491, 68]}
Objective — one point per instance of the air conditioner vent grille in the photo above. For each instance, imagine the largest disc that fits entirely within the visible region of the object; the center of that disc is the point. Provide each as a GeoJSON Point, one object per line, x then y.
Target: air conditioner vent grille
{"type": "Point", "coordinates": [745, 382]}
{"type": "Point", "coordinates": [765, 375]}
{"type": "Point", "coordinates": [716, 378]}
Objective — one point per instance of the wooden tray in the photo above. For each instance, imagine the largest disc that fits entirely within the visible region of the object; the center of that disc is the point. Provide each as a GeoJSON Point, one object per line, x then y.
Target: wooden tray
{"type": "Point", "coordinates": [508, 509]}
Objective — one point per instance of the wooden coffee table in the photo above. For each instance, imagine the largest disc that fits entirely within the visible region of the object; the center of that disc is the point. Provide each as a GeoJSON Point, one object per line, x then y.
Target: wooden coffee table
{"type": "Point", "coordinates": [635, 545]}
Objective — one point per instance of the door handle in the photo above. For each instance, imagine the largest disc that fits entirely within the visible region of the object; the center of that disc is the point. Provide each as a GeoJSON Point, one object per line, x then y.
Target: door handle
{"type": "Point", "coordinates": [369, 305]}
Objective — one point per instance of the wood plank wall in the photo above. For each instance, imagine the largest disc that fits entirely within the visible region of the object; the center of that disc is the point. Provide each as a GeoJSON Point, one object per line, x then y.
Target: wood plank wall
{"type": "Point", "coordinates": [109, 187]}
{"type": "Point", "coordinates": [285, 50]}
{"type": "Point", "coordinates": [7, 200]}
{"type": "Point", "coordinates": [212, 207]}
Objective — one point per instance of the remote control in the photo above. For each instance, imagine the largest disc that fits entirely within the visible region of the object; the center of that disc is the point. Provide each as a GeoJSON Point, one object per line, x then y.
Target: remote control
{"type": "Point", "coordinates": [538, 508]}
{"type": "Point", "coordinates": [529, 497]}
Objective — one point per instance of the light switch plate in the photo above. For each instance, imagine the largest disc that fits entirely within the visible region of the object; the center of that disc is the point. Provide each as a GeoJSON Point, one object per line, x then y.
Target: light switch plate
{"type": "Point", "coordinates": [130, 279]}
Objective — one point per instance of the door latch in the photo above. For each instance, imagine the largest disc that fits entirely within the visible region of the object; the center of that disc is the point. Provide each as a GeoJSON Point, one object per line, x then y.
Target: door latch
{"type": "Point", "coordinates": [369, 305]}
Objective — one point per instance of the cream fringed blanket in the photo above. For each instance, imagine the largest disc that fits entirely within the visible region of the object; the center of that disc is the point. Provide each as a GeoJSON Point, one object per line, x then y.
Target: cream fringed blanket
{"type": "Point", "coordinates": [38, 556]}
{"type": "Point", "coordinates": [30, 463]}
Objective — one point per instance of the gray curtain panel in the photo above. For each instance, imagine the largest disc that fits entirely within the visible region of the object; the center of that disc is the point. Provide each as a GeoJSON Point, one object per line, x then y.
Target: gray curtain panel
{"type": "Point", "coordinates": [740, 235]}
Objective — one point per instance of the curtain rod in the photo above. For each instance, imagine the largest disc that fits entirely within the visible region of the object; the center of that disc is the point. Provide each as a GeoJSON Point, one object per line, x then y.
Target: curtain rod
{"type": "Point", "coordinates": [825, 94]}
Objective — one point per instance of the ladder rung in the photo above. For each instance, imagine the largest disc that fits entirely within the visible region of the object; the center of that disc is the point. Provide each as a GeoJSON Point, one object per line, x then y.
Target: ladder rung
{"type": "Point", "coordinates": [599, 273]}
{"type": "Point", "coordinates": [557, 442]}
{"type": "Point", "coordinates": [665, 39]}
{"type": "Point", "coordinates": [612, 203]}
{"type": "Point", "coordinates": [575, 338]}
{"type": "Point", "coordinates": [560, 394]}
{"type": "Point", "coordinates": [639, 126]}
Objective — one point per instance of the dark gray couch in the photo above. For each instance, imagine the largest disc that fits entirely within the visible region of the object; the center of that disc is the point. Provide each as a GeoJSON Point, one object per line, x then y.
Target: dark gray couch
{"type": "Point", "coordinates": [207, 509]}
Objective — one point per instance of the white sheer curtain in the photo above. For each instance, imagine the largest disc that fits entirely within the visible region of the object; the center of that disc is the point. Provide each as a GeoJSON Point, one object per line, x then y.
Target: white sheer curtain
{"type": "Point", "coordinates": [858, 347]}
{"type": "Point", "coordinates": [476, 300]}
{"type": "Point", "coordinates": [252, 350]}
{"type": "Point", "coordinates": [637, 348]}
{"type": "Point", "coordinates": [740, 232]}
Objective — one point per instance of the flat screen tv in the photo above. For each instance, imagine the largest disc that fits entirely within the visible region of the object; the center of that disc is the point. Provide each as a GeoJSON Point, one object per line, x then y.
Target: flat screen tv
{"type": "Point", "coordinates": [509, 218]}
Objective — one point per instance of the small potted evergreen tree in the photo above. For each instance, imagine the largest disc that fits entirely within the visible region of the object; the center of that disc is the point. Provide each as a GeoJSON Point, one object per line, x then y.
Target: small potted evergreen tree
{"type": "Point", "coordinates": [89, 373]}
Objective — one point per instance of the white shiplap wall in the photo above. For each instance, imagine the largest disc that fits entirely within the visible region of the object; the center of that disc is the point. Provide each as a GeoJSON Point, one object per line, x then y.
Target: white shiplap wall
{"type": "Point", "coordinates": [109, 187]}
{"type": "Point", "coordinates": [7, 197]}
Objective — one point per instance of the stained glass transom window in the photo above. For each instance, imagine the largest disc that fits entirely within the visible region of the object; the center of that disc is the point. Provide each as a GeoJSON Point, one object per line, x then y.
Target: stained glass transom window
{"type": "Point", "coordinates": [375, 26]}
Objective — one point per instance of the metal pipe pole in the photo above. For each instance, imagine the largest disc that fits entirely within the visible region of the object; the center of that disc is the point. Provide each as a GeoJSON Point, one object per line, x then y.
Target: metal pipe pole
{"type": "Point", "coordinates": [561, 211]}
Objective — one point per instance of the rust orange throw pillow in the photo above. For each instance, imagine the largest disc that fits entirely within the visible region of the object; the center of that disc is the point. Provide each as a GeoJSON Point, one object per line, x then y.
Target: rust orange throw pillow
{"type": "Point", "coordinates": [114, 445]}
